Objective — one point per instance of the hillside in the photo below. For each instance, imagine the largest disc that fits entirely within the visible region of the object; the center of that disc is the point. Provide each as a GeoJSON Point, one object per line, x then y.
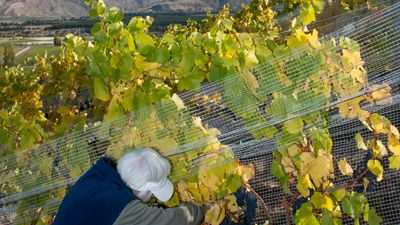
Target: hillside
{"type": "Point", "coordinates": [76, 8]}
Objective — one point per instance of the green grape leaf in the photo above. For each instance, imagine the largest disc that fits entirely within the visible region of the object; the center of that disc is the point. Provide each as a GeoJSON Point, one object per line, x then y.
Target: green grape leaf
{"type": "Point", "coordinates": [115, 110]}
{"type": "Point", "coordinates": [294, 126]}
{"type": "Point", "coordinates": [305, 215]}
{"type": "Point", "coordinates": [96, 28]}
{"type": "Point", "coordinates": [339, 194]}
{"type": "Point", "coordinates": [250, 59]}
{"type": "Point", "coordinates": [27, 138]}
{"type": "Point", "coordinates": [115, 15]}
{"type": "Point", "coordinates": [353, 204]}
{"type": "Point", "coordinates": [101, 90]}
{"type": "Point", "coordinates": [138, 24]}
{"type": "Point", "coordinates": [100, 37]}
{"type": "Point", "coordinates": [277, 170]}
{"type": "Point", "coordinates": [327, 218]}
{"type": "Point", "coordinates": [3, 135]}
{"type": "Point", "coordinates": [233, 183]}
{"type": "Point", "coordinates": [100, 7]}
{"type": "Point", "coordinates": [299, 69]}
{"type": "Point", "coordinates": [144, 42]}
{"type": "Point", "coordinates": [93, 13]}
{"type": "Point", "coordinates": [371, 216]}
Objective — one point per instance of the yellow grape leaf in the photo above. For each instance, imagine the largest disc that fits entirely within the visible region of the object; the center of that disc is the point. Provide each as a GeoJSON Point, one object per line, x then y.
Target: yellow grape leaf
{"type": "Point", "coordinates": [378, 149]}
{"type": "Point", "coordinates": [352, 109]}
{"type": "Point", "coordinates": [215, 215]}
{"type": "Point", "coordinates": [178, 102]}
{"type": "Point", "coordinates": [345, 168]}
{"type": "Point", "coordinates": [294, 42]}
{"type": "Point", "coordinates": [172, 202]}
{"type": "Point", "coordinates": [293, 150]}
{"type": "Point", "coordinates": [360, 142]}
{"type": "Point", "coordinates": [197, 123]}
{"type": "Point", "coordinates": [358, 75]}
{"type": "Point", "coordinates": [394, 162]}
{"type": "Point", "coordinates": [394, 145]}
{"type": "Point", "coordinates": [394, 131]}
{"type": "Point", "coordinates": [307, 15]}
{"type": "Point", "coordinates": [376, 168]}
{"type": "Point", "coordinates": [379, 123]}
{"type": "Point", "coordinates": [380, 93]}
{"type": "Point", "coordinates": [313, 39]}
{"type": "Point", "coordinates": [193, 188]}
{"type": "Point", "coordinates": [322, 202]}
{"type": "Point", "coordinates": [246, 172]}
{"type": "Point", "coordinates": [183, 193]}
{"type": "Point", "coordinates": [304, 184]}
{"type": "Point", "coordinates": [205, 194]}
{"type": "Point", "coordinates": [211, 181]}
{"type": "Point", "coordinates": [288, 165]}
{"type": "Point", "coordinates": [232, 205]}
{"type": "Point", "coordinates": [354, 59]}
{"type": "Point", "coordinates": [319, 168]}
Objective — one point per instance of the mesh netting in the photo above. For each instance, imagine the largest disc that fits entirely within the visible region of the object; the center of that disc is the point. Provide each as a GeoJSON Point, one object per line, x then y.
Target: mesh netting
{"type": "Point", "coordinates": [234, 114]}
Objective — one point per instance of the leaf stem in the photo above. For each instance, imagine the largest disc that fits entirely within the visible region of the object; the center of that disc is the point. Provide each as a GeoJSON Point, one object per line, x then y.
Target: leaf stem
{"type": "Point", "coordinates": [266, 208]}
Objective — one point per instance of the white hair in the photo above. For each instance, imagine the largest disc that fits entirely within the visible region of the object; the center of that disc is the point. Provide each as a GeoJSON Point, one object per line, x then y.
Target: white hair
{"type": "Point", "coordinates": [143, 169]}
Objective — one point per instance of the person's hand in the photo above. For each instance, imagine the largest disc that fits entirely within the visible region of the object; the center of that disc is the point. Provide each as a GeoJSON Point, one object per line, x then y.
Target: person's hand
{"type": "Point", "coordinates": [207, 206]}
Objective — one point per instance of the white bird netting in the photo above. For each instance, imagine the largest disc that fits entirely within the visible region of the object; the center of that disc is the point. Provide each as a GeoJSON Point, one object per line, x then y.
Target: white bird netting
{"type": "Point", "coordinates": [378, 34]}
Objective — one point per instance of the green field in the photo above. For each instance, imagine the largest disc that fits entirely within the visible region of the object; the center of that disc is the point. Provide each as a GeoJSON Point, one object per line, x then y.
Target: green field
{"type": "Point", "coordinates": [28, 57]}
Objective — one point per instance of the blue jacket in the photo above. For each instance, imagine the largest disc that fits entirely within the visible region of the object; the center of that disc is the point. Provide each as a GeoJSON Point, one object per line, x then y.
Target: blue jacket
{"type": "Point", "coordinates": [97, 198]}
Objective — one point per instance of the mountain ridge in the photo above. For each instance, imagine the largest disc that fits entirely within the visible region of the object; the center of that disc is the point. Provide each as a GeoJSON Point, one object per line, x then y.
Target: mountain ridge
{"type": "Point", "coordinates": [76, 8]}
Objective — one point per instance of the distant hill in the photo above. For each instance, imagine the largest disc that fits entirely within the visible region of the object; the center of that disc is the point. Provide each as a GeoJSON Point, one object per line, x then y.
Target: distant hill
{"type": "Point", "coordinates": [76, 8]}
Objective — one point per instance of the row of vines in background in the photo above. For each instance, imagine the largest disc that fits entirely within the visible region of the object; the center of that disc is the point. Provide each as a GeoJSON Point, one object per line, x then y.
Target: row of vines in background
{"type": "Point", "coordinates": [129, 70]}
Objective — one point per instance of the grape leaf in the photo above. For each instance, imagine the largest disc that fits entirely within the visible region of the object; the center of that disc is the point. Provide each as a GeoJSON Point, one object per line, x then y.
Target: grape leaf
{"type": "Point", "coordinates": [232, 205]}
{"type": "Point", "coordinates": [360, 142]}
{"type": "Point", "coordinates": [101, 90]}
{"type": "Point", "coordinates": [376, 168]}
{"type": "Point", "coordinates": [319, 168]}
{"type": "Point", "coordinates": [305, 215]}
{"type": "Point", "coordinates": [345, 168]}
{"type": "Point", "coordinates": [321, 201]}
{"type": "Point", "coordinates": [307, 15]}
{"type": "Point", "coordinates": [277, 170]}
{"type": "Point", "coordinates": [304, 184]}
{"type": "Point", "coordinates": [394, 144]}
{"type": "Point", "coordinates": [378, 149]}
{"type": "Point", "coordinates": [294, 126]}
{"type": "Point", "coordinates": [394, 162]}
{"type": "Point", "coordinates": [246, 172]}
{"type": "Point", "coordinates": [215, 215]}
{"type": "Point", "coordinates": [371, 216]}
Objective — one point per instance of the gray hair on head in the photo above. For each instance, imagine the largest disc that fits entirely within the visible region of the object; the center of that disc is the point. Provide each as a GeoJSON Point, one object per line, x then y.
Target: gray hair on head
{"type": "Point", "coordinates": [143, 169]}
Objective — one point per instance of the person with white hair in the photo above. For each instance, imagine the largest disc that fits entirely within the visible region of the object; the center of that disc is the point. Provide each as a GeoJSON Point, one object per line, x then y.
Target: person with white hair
{"type": "Point", "coordinates": [115, 193]}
